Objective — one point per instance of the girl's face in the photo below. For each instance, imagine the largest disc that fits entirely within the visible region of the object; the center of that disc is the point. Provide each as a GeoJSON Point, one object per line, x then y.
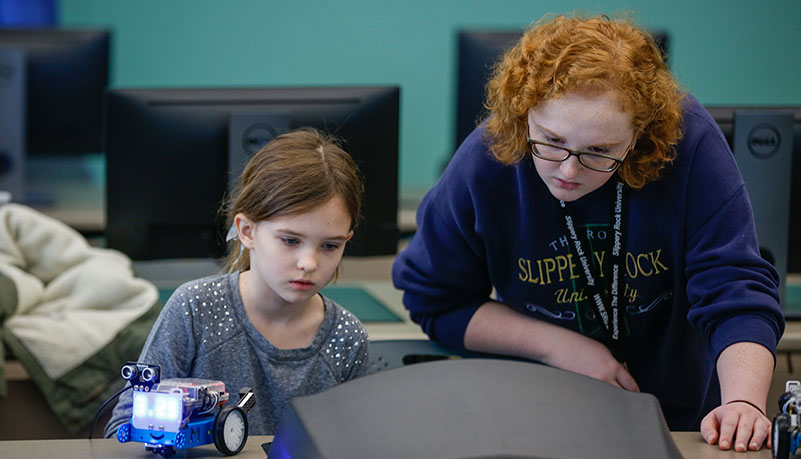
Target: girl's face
{"type": "Point", "coordinates": [582, 121]}
{"type": "Point", "coordinates": [292, 257]}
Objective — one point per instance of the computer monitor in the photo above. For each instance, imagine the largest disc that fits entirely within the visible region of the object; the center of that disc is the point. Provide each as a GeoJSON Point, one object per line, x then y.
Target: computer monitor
{"type": "Point", "coordinates": [478, 51]}
{"type": "Point", "coordinates": [725, 118]}
{"type": "Point", "coordinates": [168, 153]}
{"type": "Point", "coordinates": [51, 96]}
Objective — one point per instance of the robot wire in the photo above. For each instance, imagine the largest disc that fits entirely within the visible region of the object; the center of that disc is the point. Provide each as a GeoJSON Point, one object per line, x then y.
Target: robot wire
{"type": "Point", "coordinates": [100, 410]}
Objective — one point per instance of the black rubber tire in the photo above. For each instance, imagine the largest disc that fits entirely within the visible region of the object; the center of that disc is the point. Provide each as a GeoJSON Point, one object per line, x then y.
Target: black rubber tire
{"type": "Point", "coordinates": [781, 436]}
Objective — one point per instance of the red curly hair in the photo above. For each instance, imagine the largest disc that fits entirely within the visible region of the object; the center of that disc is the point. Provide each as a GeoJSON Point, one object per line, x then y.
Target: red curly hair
{"type": "Point", "coordinates": [567, 54]}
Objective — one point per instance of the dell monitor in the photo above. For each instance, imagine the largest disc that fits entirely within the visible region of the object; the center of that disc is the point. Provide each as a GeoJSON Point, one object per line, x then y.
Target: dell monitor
{"type": "Point", "coordinates": [478, 51]}
{"type": "Point", "coordinates": [51, 97]}
{"type": "Point", "coordinates": [172, 155]}
{"type": "Point", "coordinates": [766, 141]}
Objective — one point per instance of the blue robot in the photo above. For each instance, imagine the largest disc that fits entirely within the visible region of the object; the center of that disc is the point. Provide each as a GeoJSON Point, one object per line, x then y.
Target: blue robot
{"type": "Point", "coordinates": [182, 413]}
{"type": "Point", "coordinates": [787, 422]}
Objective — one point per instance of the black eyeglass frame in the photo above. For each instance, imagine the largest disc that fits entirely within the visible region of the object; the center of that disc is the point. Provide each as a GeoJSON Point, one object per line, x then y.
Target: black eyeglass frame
{"type": "Point", "coordinates": [532, 146]}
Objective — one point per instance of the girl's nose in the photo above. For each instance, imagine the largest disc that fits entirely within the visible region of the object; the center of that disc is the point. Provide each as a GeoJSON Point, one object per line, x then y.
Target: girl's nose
{"type": "Point", "coordinates": [307, 261]}
{"type": "Point", "coordinates": [571, 166]}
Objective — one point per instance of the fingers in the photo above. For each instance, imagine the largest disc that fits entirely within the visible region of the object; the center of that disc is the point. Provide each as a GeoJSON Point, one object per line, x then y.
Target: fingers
{"type": "Point", "coordinates": [619, 377]}
{"type": "Point", "coordinates": [626, 381]}
{"type": "Point", "coordinates": [752, 430]}
{"type": "Point", "coordinates": [751, 433]}
{"type": "Point", "coordinates": [728, 427]}
{"type": "Point", "coordinates": [761, 433]}
{"type": "Point", "coordinates": [769, 438]}
{"type": "Point", "coordinates": [743, 435]}
{"type": "Point", "coordinates": [710, 428]}
{"type": "Point", "coordinates": [745, 428]}
{"type": "Point", "coordinates": [610, 378]}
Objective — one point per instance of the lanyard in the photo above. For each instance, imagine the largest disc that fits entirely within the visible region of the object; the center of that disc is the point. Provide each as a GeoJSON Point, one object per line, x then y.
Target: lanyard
{"type": "Point", "coordinates": [607, 306]}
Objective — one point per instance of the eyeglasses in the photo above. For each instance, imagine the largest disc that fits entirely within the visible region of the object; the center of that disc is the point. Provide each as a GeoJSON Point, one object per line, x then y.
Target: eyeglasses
{"type": "Point", "coordinates": [595, 161]}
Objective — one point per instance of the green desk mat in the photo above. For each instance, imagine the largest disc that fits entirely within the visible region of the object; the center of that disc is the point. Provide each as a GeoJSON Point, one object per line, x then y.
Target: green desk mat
{"type": "Point", "coordinates": [355, 299]}
{"type": "Point", "coordinates": [792, 298]}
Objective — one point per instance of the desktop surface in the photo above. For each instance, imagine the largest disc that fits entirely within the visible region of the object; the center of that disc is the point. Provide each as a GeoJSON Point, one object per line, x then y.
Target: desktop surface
{"type": "Point", "coordinates": [690, 444]}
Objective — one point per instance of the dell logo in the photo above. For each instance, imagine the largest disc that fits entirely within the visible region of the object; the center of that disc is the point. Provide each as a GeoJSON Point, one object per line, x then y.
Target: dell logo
{"type": "Point", "coordinates": [257, 136]}
{"type": "Point", "coordinates": [764, 141]}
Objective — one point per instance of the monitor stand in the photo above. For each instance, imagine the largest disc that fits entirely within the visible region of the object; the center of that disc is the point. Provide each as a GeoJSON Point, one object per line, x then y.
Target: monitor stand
{"type": "Point", "coordinates": [763, 149]}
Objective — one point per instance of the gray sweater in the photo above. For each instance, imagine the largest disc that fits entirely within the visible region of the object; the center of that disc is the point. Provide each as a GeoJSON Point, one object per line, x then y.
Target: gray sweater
{"type": "Point", "coordinates": [203, 332]}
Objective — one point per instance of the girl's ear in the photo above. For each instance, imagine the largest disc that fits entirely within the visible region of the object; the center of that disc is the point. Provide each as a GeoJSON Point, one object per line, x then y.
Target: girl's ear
{"type": "Point", "coordinates": [245, 227]}
{"type": "Point", "coordinates": [350, 235]}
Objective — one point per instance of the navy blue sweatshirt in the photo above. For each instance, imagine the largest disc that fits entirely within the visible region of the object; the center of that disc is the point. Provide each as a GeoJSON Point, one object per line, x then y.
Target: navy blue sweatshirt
{"type": "Point", "coordinates": [694, 280]}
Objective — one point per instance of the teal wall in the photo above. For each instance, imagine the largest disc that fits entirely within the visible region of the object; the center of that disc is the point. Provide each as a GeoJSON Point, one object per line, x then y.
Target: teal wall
{"type": "Point", "coordinates": [725, 52]}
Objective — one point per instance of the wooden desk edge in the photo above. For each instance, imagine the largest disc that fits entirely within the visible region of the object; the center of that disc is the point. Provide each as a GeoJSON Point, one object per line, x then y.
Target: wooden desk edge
{"type": "Point", "coordinates": [690, 444]}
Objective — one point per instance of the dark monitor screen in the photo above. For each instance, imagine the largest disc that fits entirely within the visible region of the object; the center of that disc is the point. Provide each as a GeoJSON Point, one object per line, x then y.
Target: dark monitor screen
{"type": "Point", "coordinates": [168, 153]}
{"type": "Point", "coordinates": [478, 51]}
{"type": "Point", "coordinates": [66, 74]}
{"type": "Point", "coordinates": [51, 103]}
{"type": "Point", "coordinates": [724, 116]}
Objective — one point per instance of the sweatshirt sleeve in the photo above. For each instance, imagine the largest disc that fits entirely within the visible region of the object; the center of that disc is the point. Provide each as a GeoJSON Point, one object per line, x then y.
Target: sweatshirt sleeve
{"type": "Point", "coordinates": [443, 272]}
{"type": "Point", "coordinates": [732, 291]}
{"type": "Point", "coordinates": [170, 345]}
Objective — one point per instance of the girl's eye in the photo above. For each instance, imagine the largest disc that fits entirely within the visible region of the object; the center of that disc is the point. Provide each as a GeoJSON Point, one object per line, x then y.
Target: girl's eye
{"type": "Point", "coordinates": [551, 139]}
{"type": "Point", "coordinates": [290, 240]}
{"type": "Point", "coordinates": [599, 150]}
{"type": "Point", "coordinates": [330, 246]}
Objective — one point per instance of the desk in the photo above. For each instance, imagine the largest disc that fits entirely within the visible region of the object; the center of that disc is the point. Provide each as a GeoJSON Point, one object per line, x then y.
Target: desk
{"type": "Point", "coordinates": [691, 445]}
{"type": "Point", "coordinates": [791, 340]}
{"type": "Point", "coordinates": [69, 188]}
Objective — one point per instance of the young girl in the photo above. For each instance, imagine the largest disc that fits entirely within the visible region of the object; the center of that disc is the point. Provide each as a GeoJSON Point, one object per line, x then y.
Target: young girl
{"type": "Point", "coordinates": [264, 324]}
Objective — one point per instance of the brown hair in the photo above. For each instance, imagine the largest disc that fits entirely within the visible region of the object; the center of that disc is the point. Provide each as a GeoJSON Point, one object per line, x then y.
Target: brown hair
{"type": "Point", "coordinates": [293, 173]}
{"type": "Point", "coordinates": [597, 54]}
